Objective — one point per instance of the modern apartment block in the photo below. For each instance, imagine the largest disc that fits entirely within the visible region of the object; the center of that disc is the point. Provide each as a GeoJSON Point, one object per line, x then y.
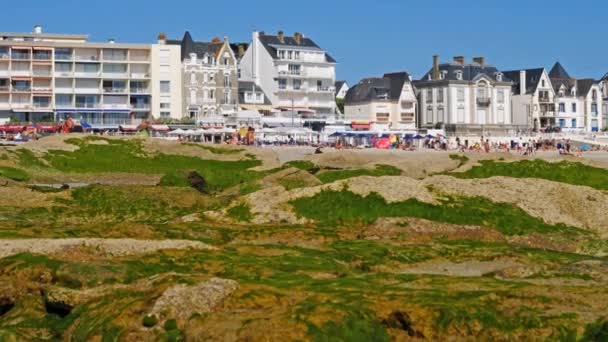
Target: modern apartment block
{"type": "Point", "coordinates": [294, 72]}
{"type": "Point", "coordinates": [45, 77]}
{"type": "Point", "coordinates": [604, 85]}
{"type": "Point", "coordinates": [209, 79]}
{"type": "Point", "coordinates": [382, 103]}
{"type": "Point", "coordinates": [465, 98]}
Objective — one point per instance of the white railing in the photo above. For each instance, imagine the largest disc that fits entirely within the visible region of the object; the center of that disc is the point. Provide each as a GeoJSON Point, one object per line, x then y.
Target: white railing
{"type": "Point", "coordinates": [115, 106]}
{"type": "Point", "coordinates": [139, 91]}
{"type": "Point", "coordinates": [87, 58]}
{"type": "Point", "coordinates": [86, 74]}
{"type": "Point", "coordinates": [139, 75]}
{"type": "Point", "coordinates": [64, 74]}
{"type": "Point", "coordinates": [86, 90]}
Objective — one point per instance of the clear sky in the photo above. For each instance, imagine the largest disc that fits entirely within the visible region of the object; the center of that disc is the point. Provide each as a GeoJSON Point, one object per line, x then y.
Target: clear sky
{"type": "Point", "coordinates": [367, 37]}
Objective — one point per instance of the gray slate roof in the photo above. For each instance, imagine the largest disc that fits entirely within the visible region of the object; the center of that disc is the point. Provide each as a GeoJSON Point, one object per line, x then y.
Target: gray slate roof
{"type": "Point", "coordinates": [532, 79]}
{"type": "Point", "coordinates": [470, 72]}
{"type": "Point", "coordinates": [269, 41]}
{"type": "Point", "coordinates": [188, 46]}
{"type": "Point", "coordinates": [247, 86]}
{"type": "Point", "coordinates": [387, 87]}
{"type": "Point", "coordinates": [559, 76]}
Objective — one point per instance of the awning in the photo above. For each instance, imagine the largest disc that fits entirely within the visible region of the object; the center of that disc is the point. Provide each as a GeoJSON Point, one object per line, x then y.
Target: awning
{"type": "Point", "coordinates": [360, 126]}
{"type": "Point", "coordinates": [46, 128]}
{"type": "Point", "coordinates": [11, 128]}
{"type": "Point", "coordinates": [104, 127]}
{"type": "Point", "coordinates": [160, 128]}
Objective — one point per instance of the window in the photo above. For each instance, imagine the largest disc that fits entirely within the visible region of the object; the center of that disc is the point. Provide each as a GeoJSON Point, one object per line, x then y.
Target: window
{"type": "Point", "coordinates": [296, 55]}
{"type": "Point", "coordinates": [282, 83]}
{"type": "Point", "coordinates": [562, 107]}
{"type": "Point", "coordinates": [562, 123]}
{"type": "Point", "coordinates": [574, 108]}
{"type": "Point", "coordinates": [63, 67]}
{"type": "Point", "coordinates": [594, 94]}
{"type": "Point", "coordinates": [258, 96]}
{"type": "Point", "coordinates": [440, 95]}
{"type": "Point", "coordinates": [227, 97]}
{"type": "Point", "coordinates": [573, 123]}
{"type": "Point", "coordinates": [319, 85]}
{"type": "Point", "coordinates": [429, 115]}
{"type": "Point", "coordinates": [165, 105]}
{"type": "Point", "coordinates": [499, 76]}
{"type": "Point", "coordinates": [165, 87]}
{"type": "Point", "coordinates": [211, 94]}
{"type": "Point", "coordinates": [289, 54]}
{"type": "Point", "coordinates": [382, 117]}
{"type": "Point", "coordinates": [281, 54]}
{"type": "Point", "coordinates": [440, 115]}
{"type": "Point", "coordinates": [459, 75]}
{"type": "Point", "coordinates": [543, 83]}
{"type": "Point", "coordinates": [460, 94]}
{"type": "Point", "coordinates": [442, 74]}
{"type": "Point", "coordinates": [297, 84]}
{"type": "Point", "coordinates": [460, 115]}
{"type": "Point", "coordinates": [63, 100]}
{"type": "Point", "coordinates": [407, 117]}
{"type": "Point", "coordinates": [429, 95]}
{"type": "Point", "coordinates": [594, 108]}
{"type": "Point", "coordinates": [226, 61]}
{"type": "Point", "coordinates": [501, 96]}
{"type": "Point", "coordinates": [227, 81]}
{"type": "Point", "coordinates": [501, 116]}
{"type": "Point", "coordinates": [294, 69]}
{"type": "Point", "coordinates": [165, 115]}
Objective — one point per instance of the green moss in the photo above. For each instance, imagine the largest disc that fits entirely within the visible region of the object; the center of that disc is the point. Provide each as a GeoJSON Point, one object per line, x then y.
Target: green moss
{"type": "Point", "coordinates": [357, 326]}
{"type": "Point", "coordinates": [170, 324]}
{"type": "Point", "coordinates": [249, 187]}
{"type": "Point", "coordinates": [129, 156]}
{"type": "Point", "coordinates": [14, 174]}
{"type": "Point", "coordinates": [462, 159]}
{"type": "Point", "coordinates": [380, 170]}
{"type": "Point", "coordinates": [241, 213]}
{"type": "Point", "coordinates": [344, 207]}
{"type": "Point", "coordinates": [564, 172]}
{"type": "Point", "coordinates": [149, 321]}
{"type": "Point", "coordinates": [301, 164]}
{"type": "Point", "coordinates": [176, 178]}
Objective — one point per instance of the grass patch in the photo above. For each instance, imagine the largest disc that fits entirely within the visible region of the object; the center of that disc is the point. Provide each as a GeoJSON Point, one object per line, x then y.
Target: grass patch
{"type": "Point", "coordinates": [301, 164]}
{"type": "Point", "coordinates": [380, 170]}
{"type": "Point", "coordinates": [14, 174]}
{"type": "Point", "coordinates": [357, 326]}
{"type": "Point", "coordinates": [344, 207]}
{"type": "Point", "coordinates": [462, 159]}
{"type": "Point", "coordinates": [564, 172]}
{"type": "Point", "coordinates": [241, 213]}
{"type": "Point", "coordinates": [128, 156]}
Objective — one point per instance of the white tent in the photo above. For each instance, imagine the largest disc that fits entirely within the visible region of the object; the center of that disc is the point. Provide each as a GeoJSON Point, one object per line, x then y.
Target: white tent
{"type": "Point", "coordinates": [178, 131]}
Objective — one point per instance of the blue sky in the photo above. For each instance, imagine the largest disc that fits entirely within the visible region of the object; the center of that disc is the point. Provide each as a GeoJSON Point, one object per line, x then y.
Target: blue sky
{"type": "Point", "coordinates": [367, 37]}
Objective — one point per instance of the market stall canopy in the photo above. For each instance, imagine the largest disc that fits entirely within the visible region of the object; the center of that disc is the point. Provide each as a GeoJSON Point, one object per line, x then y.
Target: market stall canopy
{"type": "Point", "coordinates": [160, 128]}
{"type": "Point", "coordinates": [178, 131]}
{"type": "Point", "coordinates": [128, 128]}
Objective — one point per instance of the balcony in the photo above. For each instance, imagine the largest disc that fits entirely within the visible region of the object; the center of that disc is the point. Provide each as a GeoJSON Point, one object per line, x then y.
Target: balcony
{"type": "Point", "coordinates": [21, 89]}
{"type": "Point", "coordinates": [325, 89]}
{"type": "Point", "coordinates": [64, 74]}
{"type": "Point", "coordinates": [42, 56]}
{"type": "Point", "coordinates": [21, 105]}
{"type": "Point", "coordinates": [23, 73]}
{"type": "Point", "coordinates": [544, 99]}
{"type": "Point", "coordinates": [85, 90]}
{"type": "Point", "coordinates": [115, 75]}
{"type": "Point", "coordinates": [84, 58]}
{"type": "Point", "coordinates": [42, 73]}
{"type": "Point", "coordinates": [140, 75]}
{"type": "Point", "coordinates": [41, 89]}
{"type": "Point", "coordinates": [116, 106]}
{"type": "Point", "coordinates": [42, 105]}
{"type": "Point", "coordinates": [5, 89]}
{"type": "Point", "coordinates": [140, 106]}
{"type": "Point", "coordinates": [483, 101]}
{"type": "Point", "coordinates": [292, 73]}
{"type": "Point", "coordinates": [4, 56]}
{"type": "Point", "coordinates": [547, 114]}
{"type": "Point", "coordinates": [86, 74]}
{"type": "Point", "coordinates": [87, 105]}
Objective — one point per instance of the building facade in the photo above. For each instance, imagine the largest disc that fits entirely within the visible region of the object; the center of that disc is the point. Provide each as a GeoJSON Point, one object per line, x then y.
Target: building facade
{"type": "Point", "coordinates": [294, 72]}
{"type": "Point", "coordinates": [604, 86]}
{"type": "Point", "coordinates": [46, 77]}
{"type": "Point", "coordinates": [465, 98]}
{"type": "Point", "coordinates": [382, 103]}
{"type": "Point", "coordinates": [578, 102]}
{"type": "Point", "coordinates": [532, 98]}
{"type": "Point", "coordinates": [209, 79]}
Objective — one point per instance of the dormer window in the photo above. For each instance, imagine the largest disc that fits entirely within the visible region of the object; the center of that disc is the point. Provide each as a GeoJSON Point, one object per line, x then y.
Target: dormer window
{"type": "Point", "coordinates": [459, 75]}
{"type": "Point", "coordinates": [498, 76]}
{"type": "Point", "coordinates": [281, 54]}
{"type": "Point", "coordinates": [573, 91]}
{"type": "Point", "coordinates": [443, 74]}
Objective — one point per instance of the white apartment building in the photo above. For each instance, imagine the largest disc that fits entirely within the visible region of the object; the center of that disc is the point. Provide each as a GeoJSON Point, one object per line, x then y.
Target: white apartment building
{"type": "Point", "coordinates": [46, 77]}
{"type": "Point", "coordinates": [578, 102]}
{"type": "Point", "coordinates": [209, 79]}
{"type": "Point", "coordinates": [294, 72]}
{"type": "Point", "coordinates": [381, 104]}
{"type": "Point", "coordinates": [465, 98]}
{"type": "Point", "coordinates": [532, 98]}
{"type": "Point", "coordinates": [604, 85]}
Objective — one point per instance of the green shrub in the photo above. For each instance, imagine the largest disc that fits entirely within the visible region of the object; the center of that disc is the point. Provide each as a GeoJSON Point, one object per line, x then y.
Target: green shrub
{"type": "Point", "coordinates": [170, 324]}
{"type": "Point", "coordinates": [596, 331]}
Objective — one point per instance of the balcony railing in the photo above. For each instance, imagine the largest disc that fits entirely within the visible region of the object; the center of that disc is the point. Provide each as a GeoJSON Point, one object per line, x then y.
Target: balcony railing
{"type": "Point", "coordinates": [5, 88]}
{"type": "Point", "coordinates": [86, 74]}
{"type": "Point", "coordinates": [87, 105]}
{"type": "Point", "coordinates": [300, 73]}
{"type": "Point", "coordinates": [83, 90]}
{"type": "Point", "coordinates": [42, 105]}
{"type": "Point", "coordinates": [63, 57]}
{"type": "Point", "coordinates": [139, 91]}
{"type": "Point", "coordinates": [544, 99]}
{"type": "Point", "coordinates": [484, 101]}
{"type": "Point", "coordinates": [42, 89]}
{"type": "Point", "coordinates": [115, 74]}
{"type": "Point", "coordinates": [121, 58]}
{"type": "Point", "coordinates": [21, 89]}
{"type": "Point", "coordinates": [145, 106]}
{"type": "Point", "coordinates": [326, 89]}
{"type": "Point", "coordinates": [4, 55]}
{"type": "Point", "coordinates": [139, 75]}
{"type": "Point", "coordinates": [43, 73]}
{"type": "Point", "coordinates": [115, 106]}
{"type": "Point", "coordinates": [87, 58]}
{"type": "Point", "coordinates": [115, 90]}
{"type": "Point", "coordinates": [21, 72]}
{"type": "Point", "coordinates": [17, 55]}
{"type": "Point", "coordinates": [42, 57]}
{"type": "Point", "coordinates": [21, 105]}
{"type": "Point", "coordinates": [64, 74]}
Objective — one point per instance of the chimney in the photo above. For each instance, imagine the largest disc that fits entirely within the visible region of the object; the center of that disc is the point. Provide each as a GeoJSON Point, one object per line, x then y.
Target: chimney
{"type": "Point", "coordinates": [459, 60]}
{"type": "Point", "coordinates": [480, 60]}
{"type": "Point", "coordinates": [281, 36]}
{"type": "Point", "coordinates": [435, 67]}
{"type": "Point", "coordinates": [111, 41]}
{"type": "Point", "coordinates": [298, 37]}
{"type": "Point", "coordinates": [162, 38]}
{"type": "Point", "coordinates": [37, 29]}
{"type": "Point", "coordinates": [241, 51]}
{"type": "Point", "coordinates": [522, 82]}
{"type": "Point", "coordinates": [226, 39]}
